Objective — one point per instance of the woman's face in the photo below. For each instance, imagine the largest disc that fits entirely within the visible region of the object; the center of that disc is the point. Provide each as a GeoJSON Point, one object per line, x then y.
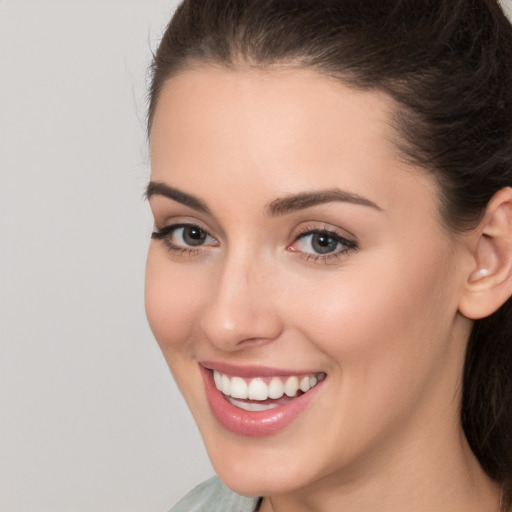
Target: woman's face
{"type": "Point", "coordinates": [294, 249]}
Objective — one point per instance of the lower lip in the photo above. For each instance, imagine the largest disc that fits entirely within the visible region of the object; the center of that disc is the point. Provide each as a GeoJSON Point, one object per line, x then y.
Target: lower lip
{"type": "Point", "coordinates": [254, 423]}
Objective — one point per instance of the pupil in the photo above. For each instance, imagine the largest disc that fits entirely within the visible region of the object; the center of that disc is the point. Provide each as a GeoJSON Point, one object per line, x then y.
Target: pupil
{"type": "Point", "coordinates": [323, 243]}
{"type": "Point", "coordinates": [194, 236]}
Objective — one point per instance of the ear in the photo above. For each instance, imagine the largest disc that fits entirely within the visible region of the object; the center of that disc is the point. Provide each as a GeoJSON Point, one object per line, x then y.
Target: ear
{"type": "Point", "coordinates": [489, 284]}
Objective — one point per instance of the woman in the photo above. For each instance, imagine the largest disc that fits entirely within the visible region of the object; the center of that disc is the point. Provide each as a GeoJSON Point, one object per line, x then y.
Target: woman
{"type": "Point", "coordinates": [331, 269]}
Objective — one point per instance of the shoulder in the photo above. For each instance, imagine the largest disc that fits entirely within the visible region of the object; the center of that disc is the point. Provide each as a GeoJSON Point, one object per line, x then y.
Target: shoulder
{"type": "Point", "coordinates": [214, 496]}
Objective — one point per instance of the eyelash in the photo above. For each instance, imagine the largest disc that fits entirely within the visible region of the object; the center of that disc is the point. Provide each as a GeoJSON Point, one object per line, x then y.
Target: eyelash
{"type": "Point", "coordinates": [165, 233]}
{"type": "Point", "coordinates": [349, 245]}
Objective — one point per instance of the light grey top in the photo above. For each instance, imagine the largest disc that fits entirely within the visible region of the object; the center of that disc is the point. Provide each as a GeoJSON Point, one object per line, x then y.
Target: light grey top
{"type": "Point", "coordinates": [214, 496]}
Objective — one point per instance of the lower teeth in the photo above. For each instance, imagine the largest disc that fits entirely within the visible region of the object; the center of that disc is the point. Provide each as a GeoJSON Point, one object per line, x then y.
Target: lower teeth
{"type": "Point", "coordinates": [251, 406]}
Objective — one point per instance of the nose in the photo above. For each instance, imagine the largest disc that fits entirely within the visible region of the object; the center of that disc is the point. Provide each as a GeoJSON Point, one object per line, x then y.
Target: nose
{"type": "Point", "coordinates": [240, 310]}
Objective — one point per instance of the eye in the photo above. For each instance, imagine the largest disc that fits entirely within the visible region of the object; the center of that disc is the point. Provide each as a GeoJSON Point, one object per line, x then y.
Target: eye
{"type": "Point", "coordinates": [190, 235]}
{"type": "Point", "coordinates": [184, 237]}
{"type": "Point", "coordinates": [322, 244]}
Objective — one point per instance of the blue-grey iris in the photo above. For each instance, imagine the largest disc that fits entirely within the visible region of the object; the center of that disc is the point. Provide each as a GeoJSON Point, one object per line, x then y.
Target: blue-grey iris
{"type": "Point", "coordinates": [324, 243]}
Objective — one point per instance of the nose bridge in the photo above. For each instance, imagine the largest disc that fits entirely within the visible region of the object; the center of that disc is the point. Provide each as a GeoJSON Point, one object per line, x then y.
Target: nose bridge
{"type": "Point", "coordinates": [240, 307]}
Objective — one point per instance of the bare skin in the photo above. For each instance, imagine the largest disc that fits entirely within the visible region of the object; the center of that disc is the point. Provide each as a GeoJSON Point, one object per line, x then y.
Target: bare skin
{"type": "Point", "coordinates": [380, 314]}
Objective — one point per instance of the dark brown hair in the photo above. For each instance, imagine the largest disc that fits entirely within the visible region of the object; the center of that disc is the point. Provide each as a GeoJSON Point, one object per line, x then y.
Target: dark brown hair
{"type": "Point", "coordinates": [448, 65]}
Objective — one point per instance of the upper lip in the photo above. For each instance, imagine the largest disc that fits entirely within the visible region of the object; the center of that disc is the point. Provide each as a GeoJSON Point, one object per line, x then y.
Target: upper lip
{"type": "Point", "coordinates": [252, 371]}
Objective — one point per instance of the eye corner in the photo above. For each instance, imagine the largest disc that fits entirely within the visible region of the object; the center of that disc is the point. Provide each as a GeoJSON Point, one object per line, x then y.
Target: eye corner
{"type": "Point", "coordinates": [158, 233]}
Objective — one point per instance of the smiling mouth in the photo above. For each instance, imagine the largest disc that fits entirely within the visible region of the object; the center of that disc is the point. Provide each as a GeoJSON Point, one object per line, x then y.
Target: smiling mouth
{"type": "Point", "coordinates": [264, 393]}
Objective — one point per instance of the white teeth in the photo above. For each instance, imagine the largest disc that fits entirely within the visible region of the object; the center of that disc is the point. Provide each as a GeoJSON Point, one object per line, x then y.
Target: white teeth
{"type": "Point", "coordinates": [238, 388]}
{"type": "Point", "coordinates": [251, 406]}
{"type": "Point", "coordinates": [218, 380]}
{"type": "Point", "coordinates": [304, 384]}
{"type": "Point", "coordinates": [291, 386]}
{"type": "Point", "coordinates": [226, 385]}
{"type": "Point", "coordinates": [275, 388]}
{"type": "Point", "coordinates": [258, 389]}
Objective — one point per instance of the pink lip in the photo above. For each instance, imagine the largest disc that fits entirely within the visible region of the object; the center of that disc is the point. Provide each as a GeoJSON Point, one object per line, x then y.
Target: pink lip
{"type": "Point", "coordinates": [251, 372]}
{"type": "Point", "coordinates": [253, 423]}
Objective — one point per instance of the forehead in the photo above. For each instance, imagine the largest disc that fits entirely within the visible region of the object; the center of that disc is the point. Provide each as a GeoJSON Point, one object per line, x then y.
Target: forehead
{"type": "Point", "coordinates": [279, 131]}
{"type": "Point", "coordinates": [273, 106]}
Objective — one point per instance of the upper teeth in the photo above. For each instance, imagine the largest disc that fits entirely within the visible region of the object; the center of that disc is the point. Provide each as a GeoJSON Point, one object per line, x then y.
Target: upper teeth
{"type": "Point", "coordinates": [259, 389]}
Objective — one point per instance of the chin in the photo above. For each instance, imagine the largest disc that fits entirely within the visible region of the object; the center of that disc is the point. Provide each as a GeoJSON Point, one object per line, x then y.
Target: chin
{"type": "Point", "coordinates": [260, 467]}
{"type": "Point", "coordinates": [259, 481]}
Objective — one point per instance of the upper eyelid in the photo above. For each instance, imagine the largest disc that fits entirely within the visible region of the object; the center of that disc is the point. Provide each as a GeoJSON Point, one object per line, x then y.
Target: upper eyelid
{"type": "Point", "coordinates": [316, 230]}
{"type": "Point", "coordinates": [165, 211]}
{"type": "Point", "coordinates": [180, 221]}
{"type": "Point", "coordinates": [166, 218]}
{"type": "Point", "coordinates": [324, 228]}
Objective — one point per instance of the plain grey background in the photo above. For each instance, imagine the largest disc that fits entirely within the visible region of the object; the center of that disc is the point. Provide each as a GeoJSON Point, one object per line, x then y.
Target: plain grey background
{"type": "Point", "coordinates": [90, 419]}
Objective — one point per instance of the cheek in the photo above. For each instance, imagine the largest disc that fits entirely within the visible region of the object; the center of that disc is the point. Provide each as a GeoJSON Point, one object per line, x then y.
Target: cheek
{"type": "Point", "coordinates": [378, 322]}
{"type": "Point", "coordinates": [386, 337]}
{"type": "Point", "coordinates": [172, 300]}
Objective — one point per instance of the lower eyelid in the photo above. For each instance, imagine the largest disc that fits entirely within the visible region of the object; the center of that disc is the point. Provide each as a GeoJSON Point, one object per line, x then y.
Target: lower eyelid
{"type": "Point", "coordinates": [325, 259]}
{"type": "Point", "coordinates": [184, 251]}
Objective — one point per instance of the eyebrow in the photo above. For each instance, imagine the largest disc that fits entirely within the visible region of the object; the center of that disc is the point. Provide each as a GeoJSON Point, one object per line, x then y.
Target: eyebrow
{"type": "Point", "coordinates": [304, 200]}
{"type": "Point", "coordinates": [280, 206]}
{"type": "Point", "coordinates": [160, 189]}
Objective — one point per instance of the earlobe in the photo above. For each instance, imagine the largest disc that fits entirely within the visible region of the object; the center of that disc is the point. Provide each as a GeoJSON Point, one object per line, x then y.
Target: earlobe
{"type": "Point", "coordinates": [489, 284]}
